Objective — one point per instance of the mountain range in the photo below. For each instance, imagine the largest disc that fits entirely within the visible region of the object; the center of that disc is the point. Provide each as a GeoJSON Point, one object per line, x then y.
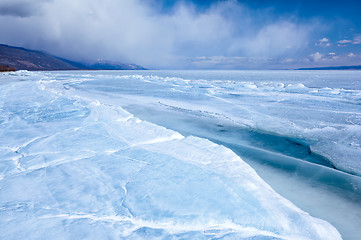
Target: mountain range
{"type": "Point", "coordinates": [26, 59]}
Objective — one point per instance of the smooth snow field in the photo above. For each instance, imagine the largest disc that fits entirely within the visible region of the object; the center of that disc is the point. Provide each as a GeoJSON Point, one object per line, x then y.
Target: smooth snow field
{"type": "Point", "coordinates": [180, 155]}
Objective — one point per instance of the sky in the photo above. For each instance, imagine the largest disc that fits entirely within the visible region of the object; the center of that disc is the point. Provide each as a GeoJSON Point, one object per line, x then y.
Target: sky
{"type": "Point", "coordinates": [195, 34]}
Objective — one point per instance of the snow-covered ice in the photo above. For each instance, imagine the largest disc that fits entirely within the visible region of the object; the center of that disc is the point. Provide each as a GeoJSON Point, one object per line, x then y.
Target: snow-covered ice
{"type": "Point", "coordinates": [74, 164]}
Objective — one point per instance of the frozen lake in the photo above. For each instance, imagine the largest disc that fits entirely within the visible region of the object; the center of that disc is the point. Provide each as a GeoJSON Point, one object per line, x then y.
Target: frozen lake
{"type": "Point", "coordinates": [300, 131]}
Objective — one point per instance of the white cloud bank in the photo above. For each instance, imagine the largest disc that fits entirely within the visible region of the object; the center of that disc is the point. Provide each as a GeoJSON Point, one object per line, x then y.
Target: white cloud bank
{"type": "Point", "coordinates": [344, 41]}
{"type": "Point", "coordinates": [356, 40]}
{"type": "Point", "coordinates": [132, 31]}
{"type": "Point", "coordinates": [333, 59]}
{"type": "Point", "coordinates": [323, 42]}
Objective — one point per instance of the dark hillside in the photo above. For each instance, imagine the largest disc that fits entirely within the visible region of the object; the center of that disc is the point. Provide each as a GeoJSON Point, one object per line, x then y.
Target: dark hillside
{"type": "Point", "coordinates": [7, 68]}
{"type": "Point", "coordinates": [24, 59]}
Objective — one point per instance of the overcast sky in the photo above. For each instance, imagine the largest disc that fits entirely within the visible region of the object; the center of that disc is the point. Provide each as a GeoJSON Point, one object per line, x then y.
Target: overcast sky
{"type": "Point", "coordinates": [173, 34]}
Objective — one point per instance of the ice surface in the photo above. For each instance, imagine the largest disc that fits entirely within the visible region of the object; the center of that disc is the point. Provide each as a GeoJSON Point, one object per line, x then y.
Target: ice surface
{"type": "Point", "coordinates": [272, 119]}
{"type": "Point", "coordinates": [74, 165]}
{"type": "Point", "coordinates": [323, 115]}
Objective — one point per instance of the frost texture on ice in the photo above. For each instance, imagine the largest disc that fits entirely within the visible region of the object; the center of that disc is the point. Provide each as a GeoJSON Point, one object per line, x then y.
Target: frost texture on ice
{"type": "Point", "coordinates": [75, 167]}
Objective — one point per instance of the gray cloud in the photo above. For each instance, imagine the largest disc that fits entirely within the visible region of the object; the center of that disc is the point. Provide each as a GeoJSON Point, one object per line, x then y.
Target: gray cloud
{"type": "Point", "coordinates": [21, 8]}
{"type": "Point", "coordinates": [131, 31]}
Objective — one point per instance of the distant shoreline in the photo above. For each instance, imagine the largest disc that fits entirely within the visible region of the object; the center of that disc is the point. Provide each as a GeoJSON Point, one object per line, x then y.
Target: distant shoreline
{"type": "Point", "coordinates": [358, 67]}
{"type": "Point", "coordinates": [7, 69]}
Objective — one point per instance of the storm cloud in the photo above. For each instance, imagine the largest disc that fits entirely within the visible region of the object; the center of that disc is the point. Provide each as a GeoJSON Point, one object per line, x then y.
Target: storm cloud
{"type": "Point", "coordinates": [136, 32]}
{"type": "Point", "coordinates": [21, 8]}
